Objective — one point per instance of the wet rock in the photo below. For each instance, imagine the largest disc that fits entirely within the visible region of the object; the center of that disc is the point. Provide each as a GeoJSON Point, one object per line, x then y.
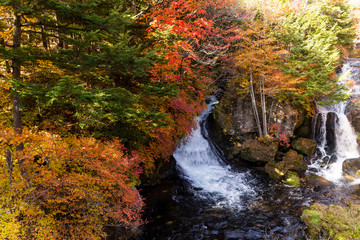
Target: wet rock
{"type": "Point", "coordinates": [304, 146]}
{"type": "Point", "coordinates": [294, 162]}
{"type": "Point", "coordinates": [350, 178]}
{"type": "Point", "coordinates": [275, 170]}
{"type": "Point", "coordinates": [303, 126]}
{"type": "Point", "coordinates": [332, 159]}
{"type": "Point", "coordinates": [292, 179]}
{"type": "Point", "coordinates": [324, 161]}
{"type": "Point", "coordinates": [318, 120]}
{"type": "Point", "coordinates": [257, 152]}
{"type": "Point", "coordinates": [251, 234]}
{"type": "Point", "coordinates": [332, 222]}
{"type": "Point", "coordinates": [234, 234]}
{"type": "Point", "coordinates": [351, 167]}
{"type": "Point", "coordinates": [287, 169]}
{"type": "Point", "coordinates": [317, 182]}
{"type": "Point", "coordinates": [330, 131]}
{"type": "Point", "coordinates": [163, 169]}
{"type": "Point", "coordinates": [233, 121]}
{"type": "Point", "coordinates": [354, 114]}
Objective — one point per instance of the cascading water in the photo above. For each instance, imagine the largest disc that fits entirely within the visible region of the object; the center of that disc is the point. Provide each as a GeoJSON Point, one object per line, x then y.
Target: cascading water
{"type": "Point", "coordinates": [333, 132]}
{"type": "Point", "coordinates": [202, 165]}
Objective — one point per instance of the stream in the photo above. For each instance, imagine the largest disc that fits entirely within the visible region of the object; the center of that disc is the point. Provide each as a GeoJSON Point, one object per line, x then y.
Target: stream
{"type": "Point", "coordinates": [209, 198]}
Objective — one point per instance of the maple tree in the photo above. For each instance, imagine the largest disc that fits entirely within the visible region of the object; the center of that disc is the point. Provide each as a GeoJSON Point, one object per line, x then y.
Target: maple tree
{"type": "Point", "coordinates": [87, 73]}
{"type": "Point", "coordinates": [72, 186]}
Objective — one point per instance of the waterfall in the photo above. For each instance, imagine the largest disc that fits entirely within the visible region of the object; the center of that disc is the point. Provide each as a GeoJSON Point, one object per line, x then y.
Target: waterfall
{"type": "Point", "coordinates": [333, 132]}
{"type": "Point", "coordinates": [202, 165]}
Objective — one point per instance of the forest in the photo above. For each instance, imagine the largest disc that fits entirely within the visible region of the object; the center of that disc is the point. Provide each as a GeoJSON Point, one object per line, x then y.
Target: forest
{"type": "Point", "coordinates": [97, 94]}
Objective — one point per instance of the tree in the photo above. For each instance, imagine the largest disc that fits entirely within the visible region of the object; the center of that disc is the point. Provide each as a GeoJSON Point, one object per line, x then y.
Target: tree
{"type": "Point", "coordinates": [73, 188]}
{"type": "Point", "coordinates": [257, 57]}
{"type": "Point", "coordinates": [312, 39]}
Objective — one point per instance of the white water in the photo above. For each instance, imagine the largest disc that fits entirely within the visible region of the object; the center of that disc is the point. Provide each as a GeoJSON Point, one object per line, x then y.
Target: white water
{"type": "Point", "coordinates": [346, 144]}
{"type": "Point", "coordinates": [202, 165]}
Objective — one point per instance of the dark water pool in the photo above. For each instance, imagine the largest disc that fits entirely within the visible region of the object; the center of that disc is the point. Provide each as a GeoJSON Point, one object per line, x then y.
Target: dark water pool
{"type": "Point", "coordinates": [175, 211]}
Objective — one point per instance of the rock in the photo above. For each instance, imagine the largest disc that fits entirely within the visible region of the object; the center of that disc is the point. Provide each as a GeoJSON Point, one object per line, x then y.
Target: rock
{"type": "Point", "coordinates": [304, 146]}
{"type": "Point", "coordinates": [351, 167]}
{"type": "Point", "coordinates": [294, 162]}
{"type": "Point", "coordinates": [349, 178]}
{"type": "Point", "coordinates": [233, 120]}
{"type": "Point", "coordinates": [287, 169]}
{"type": "Point", "coordinates": [303, 126]}
{"type": "Point", "coordinates": [284, 115]}
{"type": "Point", "coordinates": [275, 170]}
{"type": "Point", "coordinates": [330, 131]}
{"type": "Point", "coordinates": [332, 222]}
{"type": "Point", "coordinates": [318, 181]}
{"type": "Point", "coordinates": [292, 179]}
{"type": "Point", "coordinates": [354, 114]}
{"type": "Point", "coordinates": [261, 153]}
{"type": "Point", "coordinates": [163, 169]}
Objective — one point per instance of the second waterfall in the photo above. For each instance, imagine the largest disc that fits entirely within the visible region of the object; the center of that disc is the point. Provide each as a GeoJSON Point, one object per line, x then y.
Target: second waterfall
{"type": "Point", "coordinates": [336, 138]}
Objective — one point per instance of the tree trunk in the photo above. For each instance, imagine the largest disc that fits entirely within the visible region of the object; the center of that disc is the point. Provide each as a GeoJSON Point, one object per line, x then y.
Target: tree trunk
{"type": "Point", "coordinates": [263, 105]}
{"type": "Point", "coordinates": [16, 74]}
{"type": "Point", "coordinates": [253, 101]}
{"type": "Point", "coordinates": [9, 164]}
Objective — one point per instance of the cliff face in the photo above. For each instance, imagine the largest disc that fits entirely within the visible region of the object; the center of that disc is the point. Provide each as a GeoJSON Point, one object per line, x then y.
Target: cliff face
{"type": "Point", "coordinates": [233, 128]}
{"type": "Point", "coordinates": [233, 121]}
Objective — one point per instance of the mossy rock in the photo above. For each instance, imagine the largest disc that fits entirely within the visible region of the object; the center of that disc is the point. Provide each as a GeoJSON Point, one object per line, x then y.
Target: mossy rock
{"type": "Point", "coordinates": [292, 179]}
{"type": "Point", "coordinates": [257, 152]}
{"type": "Point", "coordinates": [318, 181]}
{"type": "Point", "coordinates": [304, 146]}
{"type": "Point", "coordinates": [294, 161]}
{"type": "Point", "coordinates": [351, 167]}
{"type": "Point", "coordinates": [275, 170]}
{"type": "Point", "coordinates": [291, 162]}
{"type": "Point", "coordinates": [333, 222]}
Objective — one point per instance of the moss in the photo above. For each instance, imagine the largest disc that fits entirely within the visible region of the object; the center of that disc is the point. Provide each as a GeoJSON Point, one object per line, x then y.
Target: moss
{"type": "Point", "coordinates": [292, 179]}
{"type": "Point", "coordinates": [333, 222]}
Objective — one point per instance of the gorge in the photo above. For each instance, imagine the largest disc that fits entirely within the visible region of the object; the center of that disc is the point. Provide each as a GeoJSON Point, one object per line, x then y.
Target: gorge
{"type": "Point", "coordinates": [211, 197]}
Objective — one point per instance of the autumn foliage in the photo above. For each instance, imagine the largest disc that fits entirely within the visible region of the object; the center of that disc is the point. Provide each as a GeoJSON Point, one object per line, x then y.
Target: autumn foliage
{"type": "Point", "coordinates": [66, 188]}
{"type": "Point", "coordinates": [105, 90]}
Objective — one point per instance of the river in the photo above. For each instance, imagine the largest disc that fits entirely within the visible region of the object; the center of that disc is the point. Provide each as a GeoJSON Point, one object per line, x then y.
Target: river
{"type": "Point", "coordinates": [209, 198]}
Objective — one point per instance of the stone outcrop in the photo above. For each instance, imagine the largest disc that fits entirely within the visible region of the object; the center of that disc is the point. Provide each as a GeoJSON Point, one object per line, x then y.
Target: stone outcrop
{"type": "Point", "coordinates": [304, 146]}
{"type": "Point", "coordinates": [351, 167]}
{"type": "Point", "coordinates": [288, 168]}
{"type": "Point", "coordinates": [257, 152]}
{"type": "Point", "coordinates": [353, 110]}
{"type": "Point", "coordinates": [317, 182]}
{"type": "Point", "coordinates": [235, 116]}
{"type": "Point", "coordinates": [233, 123]}
{"type": "Point", "coordinates": [294, 161]}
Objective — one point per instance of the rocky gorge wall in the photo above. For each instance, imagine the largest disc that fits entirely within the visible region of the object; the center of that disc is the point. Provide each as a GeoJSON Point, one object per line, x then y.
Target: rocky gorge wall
{"type": "Point", "coordinates": [283, 154]}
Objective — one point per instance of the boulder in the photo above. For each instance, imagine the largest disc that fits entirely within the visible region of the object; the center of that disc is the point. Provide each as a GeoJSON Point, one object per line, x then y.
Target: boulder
{"type": "Point", "coordinates": [351, 167]}
{"type": "Point", "coordinates": [317, 181]}
{"type": "Point", "coordinates": [287, 170]}
{"type": "Point", "coordinates": [275, 170]}
{"type": "Point", "coordinates": [257, 152]}
{"type": "Point", "coordinates": [332, 221]}
{"type": "Point", "coordinates": [292, 179]}
{"type": "Point", "coordinates": [293, 161]}
{"type": "Point", "coordinates": [304, 146]}
{"type": "Point", "coordinates": [331, 120]}
{"type": "Point", "coordinates": [353, 110]}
